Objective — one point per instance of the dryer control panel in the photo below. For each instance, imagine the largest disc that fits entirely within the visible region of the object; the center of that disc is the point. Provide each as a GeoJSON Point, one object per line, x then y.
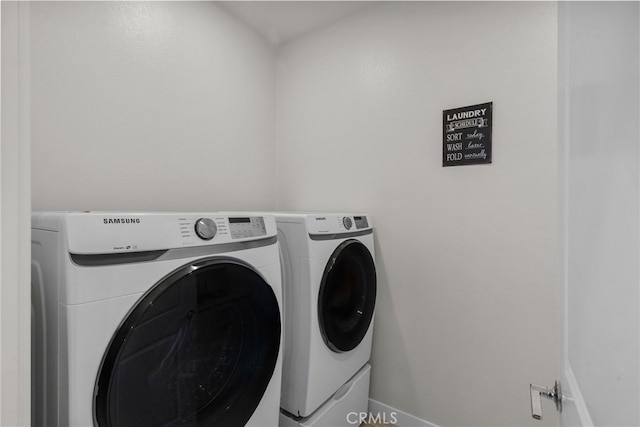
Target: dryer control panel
{"type": "Point", "coordinates": [337, 223]}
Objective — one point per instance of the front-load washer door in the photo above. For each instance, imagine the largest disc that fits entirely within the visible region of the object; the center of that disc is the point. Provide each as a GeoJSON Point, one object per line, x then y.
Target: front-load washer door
{"type": "Point", "coordinates": [199, 348]}
{"type": "Point", "coordinates": [347, 296]}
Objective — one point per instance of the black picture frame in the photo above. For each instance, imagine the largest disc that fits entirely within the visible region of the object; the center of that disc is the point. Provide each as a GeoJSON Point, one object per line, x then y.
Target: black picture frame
{"type": "Point", "coordinates": [466, 135]}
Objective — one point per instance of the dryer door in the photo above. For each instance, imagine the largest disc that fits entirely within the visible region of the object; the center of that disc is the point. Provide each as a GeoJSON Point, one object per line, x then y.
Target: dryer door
{"type": "Point", "coordinates": [198, 349]}
{"type": "Point", "coordinates": [347, 296]}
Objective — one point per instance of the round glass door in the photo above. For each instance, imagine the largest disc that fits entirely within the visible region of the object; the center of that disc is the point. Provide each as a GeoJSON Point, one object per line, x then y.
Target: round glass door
{"type": "Point", "coordinates": [198, 349]}
{"type": "Point", "coordinates": [347, 296]}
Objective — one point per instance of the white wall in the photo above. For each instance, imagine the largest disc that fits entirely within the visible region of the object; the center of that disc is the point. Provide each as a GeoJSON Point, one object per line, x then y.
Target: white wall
{"type": "Point", "coordinates": [150, 105]}
{"type": "Point", "coordinates": [600, 71]}
{"type": "Point", "coordinates": [467, 314]}
{"type": "Point", "coordinates": [15, 295]}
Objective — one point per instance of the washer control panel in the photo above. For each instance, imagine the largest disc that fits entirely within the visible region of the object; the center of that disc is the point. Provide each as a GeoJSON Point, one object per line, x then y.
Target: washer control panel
{"type": "Point", "coordinates": [114, 232]}
{"type": "Point", "coordinates": [219, 227]}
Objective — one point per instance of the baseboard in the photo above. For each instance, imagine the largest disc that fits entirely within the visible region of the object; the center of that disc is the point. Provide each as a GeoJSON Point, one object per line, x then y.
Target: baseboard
{"type": "Point", "coordinates": [399, 418]}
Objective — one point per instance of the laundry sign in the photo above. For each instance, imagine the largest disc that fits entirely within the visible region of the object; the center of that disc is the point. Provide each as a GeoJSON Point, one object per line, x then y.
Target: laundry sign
{"type": "Point", "coordinates": [466, 135]}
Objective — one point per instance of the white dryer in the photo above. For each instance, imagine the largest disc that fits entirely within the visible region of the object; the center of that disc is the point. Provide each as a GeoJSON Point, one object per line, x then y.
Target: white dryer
{"type": "Point", "coordinates": [329, 283]}
{"type": "Point", "coordinates": [156, 319]}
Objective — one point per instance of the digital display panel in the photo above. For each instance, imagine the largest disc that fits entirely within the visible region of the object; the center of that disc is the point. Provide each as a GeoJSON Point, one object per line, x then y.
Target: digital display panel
{"type": "Point", "coordinates": [361, 222]}
{"type": "Point", "coordinates": [239, 220]}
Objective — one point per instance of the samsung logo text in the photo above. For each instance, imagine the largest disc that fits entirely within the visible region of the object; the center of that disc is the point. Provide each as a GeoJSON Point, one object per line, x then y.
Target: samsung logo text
{"type": "Point", "coordinates": [121, 220]}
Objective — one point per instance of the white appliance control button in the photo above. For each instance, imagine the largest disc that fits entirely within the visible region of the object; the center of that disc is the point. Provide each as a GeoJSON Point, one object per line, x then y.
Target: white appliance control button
{"type": "Point", "coordinates": [206, 229]}
{"type": "Point", "coordinates": [347, 222]}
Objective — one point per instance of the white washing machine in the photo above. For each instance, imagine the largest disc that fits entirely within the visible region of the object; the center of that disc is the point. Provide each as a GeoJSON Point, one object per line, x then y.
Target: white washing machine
{"type": "Point", "coordinates": [156, 319]}
{"type": "Point", "coordinates": [329, 283]}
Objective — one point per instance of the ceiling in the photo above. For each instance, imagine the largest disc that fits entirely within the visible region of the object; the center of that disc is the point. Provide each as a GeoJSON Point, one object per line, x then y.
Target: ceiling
{"type": "Point", "coordinates": [280, 21]}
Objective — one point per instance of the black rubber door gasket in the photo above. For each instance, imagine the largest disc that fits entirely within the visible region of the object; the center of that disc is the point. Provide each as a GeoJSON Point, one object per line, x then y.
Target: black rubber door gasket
{"type": "Point", "coordinates": [347, 296]}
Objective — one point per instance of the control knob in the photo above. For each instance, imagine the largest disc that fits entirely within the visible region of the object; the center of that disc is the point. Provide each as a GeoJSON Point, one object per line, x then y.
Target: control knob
{"type": "Point", "coordinates": [206, 229]}
{"type": "Point", "coordinates": [347, 222]}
